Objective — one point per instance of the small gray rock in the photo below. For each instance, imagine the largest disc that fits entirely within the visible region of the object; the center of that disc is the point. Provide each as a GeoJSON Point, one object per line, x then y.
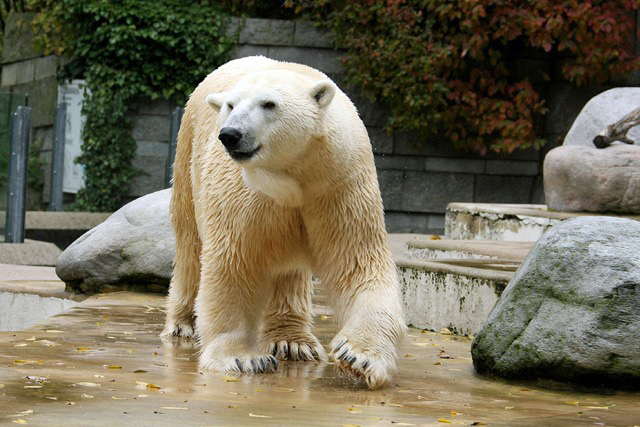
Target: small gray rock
{"type": "Point", "coordinates": [572, 311]}
{"type": "Point", "coordinates": [601, 111]}
{"type": "Point", "coordinates": [133, 248]}
{"type": "Point", "coordinates": [580, 178]}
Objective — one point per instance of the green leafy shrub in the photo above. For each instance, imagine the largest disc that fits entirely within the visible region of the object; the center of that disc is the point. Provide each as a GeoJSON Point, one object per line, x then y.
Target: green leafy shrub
{"type": "Point", "coordinates": [125, 49]}
{"type": "Point", "coordinates": [447, 68]}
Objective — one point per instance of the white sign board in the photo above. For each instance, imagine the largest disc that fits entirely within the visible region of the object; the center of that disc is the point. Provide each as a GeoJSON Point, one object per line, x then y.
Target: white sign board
{"type": "Point", "coordinates": [73, 174]}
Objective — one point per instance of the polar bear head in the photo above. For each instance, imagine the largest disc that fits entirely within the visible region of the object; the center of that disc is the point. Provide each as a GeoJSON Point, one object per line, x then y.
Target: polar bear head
{"type": "Point", "coordinates": [269, 118]}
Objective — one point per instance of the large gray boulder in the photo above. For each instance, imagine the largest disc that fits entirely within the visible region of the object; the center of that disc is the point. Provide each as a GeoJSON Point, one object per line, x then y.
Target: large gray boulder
{"type": "Point", "coordinates": [602, 110]}
{"type": "Point", "coordinates": [132, 249]}
{"type": "Point", "coordinates": [580, 178]}
{"type": "Point", "coordinates": [572, 311]}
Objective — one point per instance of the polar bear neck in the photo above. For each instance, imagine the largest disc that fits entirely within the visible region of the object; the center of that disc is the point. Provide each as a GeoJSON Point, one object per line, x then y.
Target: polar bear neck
{"type": "Point", "coordinates": [280, 187]}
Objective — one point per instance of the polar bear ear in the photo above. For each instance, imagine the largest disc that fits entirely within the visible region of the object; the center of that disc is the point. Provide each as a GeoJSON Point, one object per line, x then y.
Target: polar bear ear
{"type": "Point", "coordinates": [215, 100]}
{"type": "Point", "coordinates": [323, 92]}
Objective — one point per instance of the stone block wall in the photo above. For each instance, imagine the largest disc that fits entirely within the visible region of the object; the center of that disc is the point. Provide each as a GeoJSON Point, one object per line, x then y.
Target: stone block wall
{"type": "Point", "coordinates": [418, 178]}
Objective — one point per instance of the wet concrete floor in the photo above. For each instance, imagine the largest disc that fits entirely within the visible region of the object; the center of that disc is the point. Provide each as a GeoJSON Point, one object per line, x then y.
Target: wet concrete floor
{"type": "Point", "coordinates": [103, 363]}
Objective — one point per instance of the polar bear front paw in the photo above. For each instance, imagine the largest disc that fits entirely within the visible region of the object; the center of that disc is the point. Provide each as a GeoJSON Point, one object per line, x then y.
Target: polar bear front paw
{"type": "Point", "coordinates": [357, 362]}
{"type": "Point", "coordinates": [256, 364]}
{"type": "Point", "coordinates": [299, 349]}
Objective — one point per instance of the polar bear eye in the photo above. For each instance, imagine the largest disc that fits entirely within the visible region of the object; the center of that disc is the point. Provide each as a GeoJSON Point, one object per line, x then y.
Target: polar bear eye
{"type": "Point", "coordinates": [230, 106]}
{"type": "Point", "coordinates": [268, 105]}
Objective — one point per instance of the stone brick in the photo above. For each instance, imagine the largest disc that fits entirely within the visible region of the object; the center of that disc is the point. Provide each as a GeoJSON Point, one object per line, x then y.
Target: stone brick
{"type": "Point", "coordinates": [152, 179]}
{"type": "Point", "coordinates": [433, 191]}
{"type": "Point", "coordinates": [530, 153]}
{"type": "Point", "coordinates": [232, 29]}
{"type": "Point", "coordinates": [18, 38]}
{"type": "Point", "coordinates": [391, 188]}
{"type": "Point", "coordinates": [387, 161]}
{"type": "Point", "coordinates": [22, 72]}
{"type": "Point", "coordinates": [9, 74]}
{"type": "Point", "coordinates": [503, 189]}
{"type": "Point", "coordinates": [146, 105]}
{"type": "Point", "coordinates": [151, 128]}
{"type": "Point", "coordinates": [325, 60]}
{"type": "Point", "coordinates": [505, 167]}
{"type": "Point", "coordinates": [440, 164]}
{"type": "Point", "coordinates": [404, 222]}
{"type": "Point", "coordinates": [381, 141]}
{"type": "Point", "coordinates": [307, 34]}
{"type": "Point", "coordinates": [43, 95]}
{"type": "Point", "coordinates": [373, 115]}
{"type": "Point", "coordinates": [410, 143]}
{"type": "Point", "coordinates": [436, 222]}
{"type": "Point", "coordinates": [272, 32]}
{"type": "Point", "coordinates": [242, 51]}
{"type": "Point", "coordinates": [46, 67]}
{"type": "Point", "coordinates": [152, 149]}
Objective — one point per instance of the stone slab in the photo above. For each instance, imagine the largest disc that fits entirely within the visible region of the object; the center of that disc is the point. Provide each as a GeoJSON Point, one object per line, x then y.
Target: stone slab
{"type": "Point", "coordinates": [426, 387]}
{"type": "Point", "coordinates": [428, 248]}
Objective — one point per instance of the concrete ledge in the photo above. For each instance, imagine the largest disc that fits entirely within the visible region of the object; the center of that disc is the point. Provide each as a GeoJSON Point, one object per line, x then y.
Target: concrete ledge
{"type": "Point", "coordinates": [505, 222]}
{"type": "Point", "coordinates": [31, 252]}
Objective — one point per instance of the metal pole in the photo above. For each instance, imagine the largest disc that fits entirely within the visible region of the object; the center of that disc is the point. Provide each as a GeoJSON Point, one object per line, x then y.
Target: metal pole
{"type": "Point", "coordinates": [18, 161]}
{"type": "Point", "coordinates": [176, 119]}
{"type": "Point", "coordinates": [57, 158]}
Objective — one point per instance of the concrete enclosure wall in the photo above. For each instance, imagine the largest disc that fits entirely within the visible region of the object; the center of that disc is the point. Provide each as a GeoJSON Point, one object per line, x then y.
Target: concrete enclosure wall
{"type": "Point", "coordinates": [417, 178]}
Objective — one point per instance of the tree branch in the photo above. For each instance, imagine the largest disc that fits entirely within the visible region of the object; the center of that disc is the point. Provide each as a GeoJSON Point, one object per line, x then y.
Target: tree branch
{"type": "Point", "coordinates": [618, 131]}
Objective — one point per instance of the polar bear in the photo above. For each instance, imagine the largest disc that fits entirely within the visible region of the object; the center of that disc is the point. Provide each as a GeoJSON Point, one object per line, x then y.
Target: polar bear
{"type": "Point", "coordinates": [274, 180]}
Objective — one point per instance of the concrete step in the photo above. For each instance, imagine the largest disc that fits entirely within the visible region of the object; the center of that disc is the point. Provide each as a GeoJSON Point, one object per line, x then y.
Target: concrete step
{"type": "Point", "coordinates": [504, 222]}
{"type": "Point", "coordinates": [454, 284]}
{"type": "Point", "coordinates": [430, 248]}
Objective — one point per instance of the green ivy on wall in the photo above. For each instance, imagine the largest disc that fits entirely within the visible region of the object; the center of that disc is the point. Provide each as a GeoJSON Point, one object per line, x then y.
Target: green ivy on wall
{"type": "Point", "coordinates": [125, 49]}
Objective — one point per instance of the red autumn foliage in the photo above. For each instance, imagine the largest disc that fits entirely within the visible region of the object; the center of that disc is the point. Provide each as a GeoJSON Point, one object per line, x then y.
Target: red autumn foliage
{"type": "Point", "coordinates": [446, 68]}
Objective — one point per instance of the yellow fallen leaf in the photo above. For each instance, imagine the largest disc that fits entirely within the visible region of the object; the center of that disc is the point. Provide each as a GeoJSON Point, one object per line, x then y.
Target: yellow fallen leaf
{"type": "Point", "coordinates": [597, 407]}
{"type": "Point", "coordinates": [118, 398]}
{"type": "Point", "coordinates": [230, 379]}
{"type": "Point", "coordinates": [87, 384]}
{"type": "Point", "coordinates": [409, 355]}
{"type": "Point", "coordinates": [86, 396]}
{"type": "Point", "coordinates": [259, 390]}
{"type": "Point", "coordinates": [397, 405]}
{"type": "Point", "coordinates": [153, 387]}
{"type": "Point", "coordinates": [284, 389]}
{"type": "Point", "coordinates": [83, 349]}
{"type": "Point", "coordinates": [27, 362]}
{"type": "Point", "coordinates": [478, 423]}
{"type": "Point", "coordinates": [444, 420]}
{"type": "Point", "coordinates": [175, 408]}
{"type": "Point", "coordinates": [51, 398]}
{"type": "Point", "coordinates": [258, 416]}
{"type": "Point", "coordinates": [20, 421]}
{"type": "Point", "coordinates": [21, 345]}
{"type": "Point", "coordinates": [509, 407]}
{"type": "Point", "coordinates": [324, 317]}
{"type": "Point", "coordinates": [446, 331]}
{"type": "Point", "coordinates": [31, 339]}
{"type": "Point", "coordinates": [113, 366]}
{"type": "Point", "coordinates": [354, 410]}
{"type": "Point", "coordinates": [54, 331]}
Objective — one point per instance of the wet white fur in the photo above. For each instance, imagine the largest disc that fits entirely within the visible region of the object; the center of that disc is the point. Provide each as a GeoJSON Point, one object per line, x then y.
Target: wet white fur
{"type": "Point", "coordinates": [249, 234]}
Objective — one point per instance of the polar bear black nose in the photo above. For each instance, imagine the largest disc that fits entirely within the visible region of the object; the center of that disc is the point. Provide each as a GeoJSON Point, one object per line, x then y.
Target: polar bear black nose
{"type": "Point", "coordinates": [230, 137]}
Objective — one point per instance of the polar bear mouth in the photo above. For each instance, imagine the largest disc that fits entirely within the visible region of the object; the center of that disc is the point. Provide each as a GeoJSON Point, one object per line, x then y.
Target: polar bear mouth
{"type": "Point", "coordinates": [244, 155]}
